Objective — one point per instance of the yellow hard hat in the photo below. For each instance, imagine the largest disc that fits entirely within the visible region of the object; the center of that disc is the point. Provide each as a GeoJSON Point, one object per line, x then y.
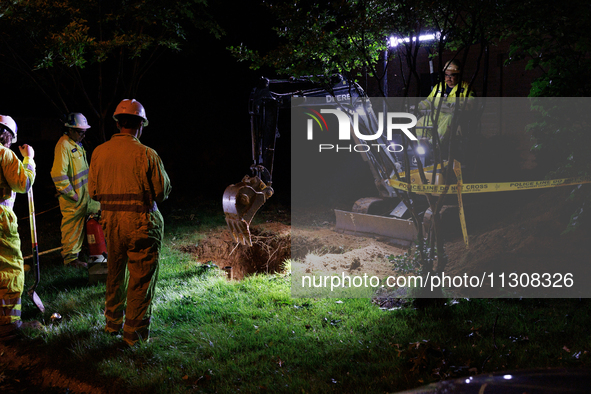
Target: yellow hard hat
{"type": "Point", "coordinates": [131, 107]}
{"type": "Point", "coordinates": [452, 66]}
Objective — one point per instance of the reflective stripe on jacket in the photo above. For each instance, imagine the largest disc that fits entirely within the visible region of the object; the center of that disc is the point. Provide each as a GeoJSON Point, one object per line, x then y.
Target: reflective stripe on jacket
{"type": "Point", "coordinates": [432, 101]}
{"type": "Point", "coordinates": [15, 177]}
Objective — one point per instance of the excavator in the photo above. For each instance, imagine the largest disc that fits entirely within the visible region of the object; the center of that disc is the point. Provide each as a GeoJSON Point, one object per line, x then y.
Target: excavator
{"type": "Point", "coordinates": [387, 215]}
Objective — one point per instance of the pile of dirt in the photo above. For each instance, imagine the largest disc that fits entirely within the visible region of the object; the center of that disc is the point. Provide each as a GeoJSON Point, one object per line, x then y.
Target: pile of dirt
{"type": "Point", "coordinates": [271, 246]}
{"type": "Point", "coordinates": [529, 237]}
{"type": "Point", "coordinates": [324, 250]}
{"type": "Point", "coordinates": [320, 249]}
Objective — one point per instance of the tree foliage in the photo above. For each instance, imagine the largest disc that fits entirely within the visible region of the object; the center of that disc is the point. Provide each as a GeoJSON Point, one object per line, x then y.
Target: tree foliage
{"type": "Point", "coordinates": [557, 41]}
{"type": "Point", "coordinates": [91, 54]}
{"type": "Point", "coordinates": [352, 36]}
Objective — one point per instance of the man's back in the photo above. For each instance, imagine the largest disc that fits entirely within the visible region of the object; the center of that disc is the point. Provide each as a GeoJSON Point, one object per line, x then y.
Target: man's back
{"type": "Point", "coordinates": [126, 175]}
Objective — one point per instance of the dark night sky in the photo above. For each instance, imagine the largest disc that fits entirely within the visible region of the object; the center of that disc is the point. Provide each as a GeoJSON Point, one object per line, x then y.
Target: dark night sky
{"type": "Point", "coordinates": [197, 105]}
{"type": "Point", "coordinates": [196, 102]}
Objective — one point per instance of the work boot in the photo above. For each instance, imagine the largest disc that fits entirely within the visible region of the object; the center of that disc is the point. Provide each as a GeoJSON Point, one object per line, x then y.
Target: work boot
{"type": "Point", "coordinates": [33, 325]}
{"type": "Point", "coordinates": [77, 264]}
{"type": "Point", "coordinates": [14, 334]}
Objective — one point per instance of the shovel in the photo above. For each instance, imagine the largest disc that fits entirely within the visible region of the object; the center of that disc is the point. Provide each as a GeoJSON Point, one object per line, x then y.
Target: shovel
{"type": "Point", "coordinates": [32, 294]}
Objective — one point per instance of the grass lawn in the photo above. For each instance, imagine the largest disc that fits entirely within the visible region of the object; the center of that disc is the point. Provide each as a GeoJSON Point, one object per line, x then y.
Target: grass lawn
{"type": "Point", "coordinates": [214, 335]}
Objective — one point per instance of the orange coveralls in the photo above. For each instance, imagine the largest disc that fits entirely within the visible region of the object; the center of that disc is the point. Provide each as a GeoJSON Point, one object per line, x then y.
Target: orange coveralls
{"type": "Point", "coordinates": [128, 179]}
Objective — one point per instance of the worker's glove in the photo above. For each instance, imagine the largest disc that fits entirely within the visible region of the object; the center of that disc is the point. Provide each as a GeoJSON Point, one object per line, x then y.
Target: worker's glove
{"type": "Point", "coordinates": [75, 197]}
{"type": "Point", "coordinates": [27, 151]}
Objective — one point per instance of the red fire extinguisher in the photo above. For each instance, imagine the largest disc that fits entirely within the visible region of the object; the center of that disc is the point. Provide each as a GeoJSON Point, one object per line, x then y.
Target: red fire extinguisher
{"type": "Point", "coordinates": [97, 246]}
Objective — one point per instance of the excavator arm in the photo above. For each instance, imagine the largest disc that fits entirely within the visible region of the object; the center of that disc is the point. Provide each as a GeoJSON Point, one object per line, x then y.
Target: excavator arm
{"type": "Point", "coordinates": [241, 201]}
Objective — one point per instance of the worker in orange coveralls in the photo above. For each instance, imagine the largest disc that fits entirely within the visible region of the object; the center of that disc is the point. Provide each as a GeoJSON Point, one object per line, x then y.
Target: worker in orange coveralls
{"type": "Point", "coordinates": [128, 179]}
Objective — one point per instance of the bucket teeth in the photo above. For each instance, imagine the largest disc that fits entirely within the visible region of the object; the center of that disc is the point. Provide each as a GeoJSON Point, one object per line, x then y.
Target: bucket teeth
{"type": "Point", "coordinates": [241, 202]}
{"type": "Point", "coordinates": [240, 231]}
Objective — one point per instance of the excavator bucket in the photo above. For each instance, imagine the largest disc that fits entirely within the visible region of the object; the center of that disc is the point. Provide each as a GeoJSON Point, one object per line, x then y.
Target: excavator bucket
{"type": "Point", "coordinates": [378, 217]}
{"type": "Point", "coordinates": [398, 231]}
{"type": "Point", "coordinates": [241, 202]}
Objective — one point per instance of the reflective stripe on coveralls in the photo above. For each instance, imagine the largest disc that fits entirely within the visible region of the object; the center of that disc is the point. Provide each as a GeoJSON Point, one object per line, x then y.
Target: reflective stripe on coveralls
{"type": "Point", "coordinates": [432, 102]}
{"type": "Point", "coordinates": [15, 176]}
{"type": "Point", "coordinates": [128, 178]}
{"type": "Point", "coordinates": [70, 176]}
{"type": "Point", "coordinates": [114, 320]}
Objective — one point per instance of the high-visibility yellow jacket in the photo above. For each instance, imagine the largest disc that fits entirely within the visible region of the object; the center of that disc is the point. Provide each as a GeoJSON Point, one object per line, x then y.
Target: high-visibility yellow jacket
{"type": "Point", "coordinates": [70, 176]}
{"type": "Point", "coordinates": [457, 91]}
{"type": "Point", "coordinates": [70, 168]}
{"type": "Point", "coordinates": [15, 176]}
{"type": "Point", "coordinates": [446, 109]}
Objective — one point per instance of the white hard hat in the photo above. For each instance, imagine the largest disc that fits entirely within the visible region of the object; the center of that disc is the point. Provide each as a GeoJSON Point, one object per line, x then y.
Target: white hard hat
{"type": "Point", "coordinates": [10, 125]}
{"type": "Point", "coordinates": [77, 120]}
{"type": "Point", "coordinates": [131, 107]}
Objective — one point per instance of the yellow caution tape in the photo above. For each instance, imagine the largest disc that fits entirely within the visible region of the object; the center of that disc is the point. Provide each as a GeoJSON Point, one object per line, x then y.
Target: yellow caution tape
{"type": "Point", "coordinates": [458, 171]}
{"type": "Point", "coordinates": [464, 188]}
{"type": "Point", "coordinates": [489, 187]}
{"type": "Point", "coordinates": [426, 169]}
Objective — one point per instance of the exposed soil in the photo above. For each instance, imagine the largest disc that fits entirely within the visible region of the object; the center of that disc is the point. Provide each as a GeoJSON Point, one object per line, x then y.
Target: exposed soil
{"type": "Point", "coordinates": [324, 250]}
{"type": "Point", "coordinates": [23, 370]}
{"type": "Point", "coordinates": [270, 248]}
{"type": "Point", "coordinates": [321, 249]}
{"type": "Point", "coordinates": [509, 232]}
{"type": "Point", "coordinates": [525, 234]}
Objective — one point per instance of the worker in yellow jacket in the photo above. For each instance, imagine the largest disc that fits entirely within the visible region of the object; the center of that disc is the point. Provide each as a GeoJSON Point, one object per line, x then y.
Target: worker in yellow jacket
{"type": "Point", "coordinates": [15, 177]}
{"type": "Point", "coordinates": [128, 179]}
{"type": "Point", "coordinates": [70, 176]}
{"type": "Point", "coordinates": [448, 92]}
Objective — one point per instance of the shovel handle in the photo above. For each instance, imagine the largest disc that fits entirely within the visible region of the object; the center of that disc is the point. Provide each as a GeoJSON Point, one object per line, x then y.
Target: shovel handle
{"type": "Point", "coordinates": [33, 238]}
